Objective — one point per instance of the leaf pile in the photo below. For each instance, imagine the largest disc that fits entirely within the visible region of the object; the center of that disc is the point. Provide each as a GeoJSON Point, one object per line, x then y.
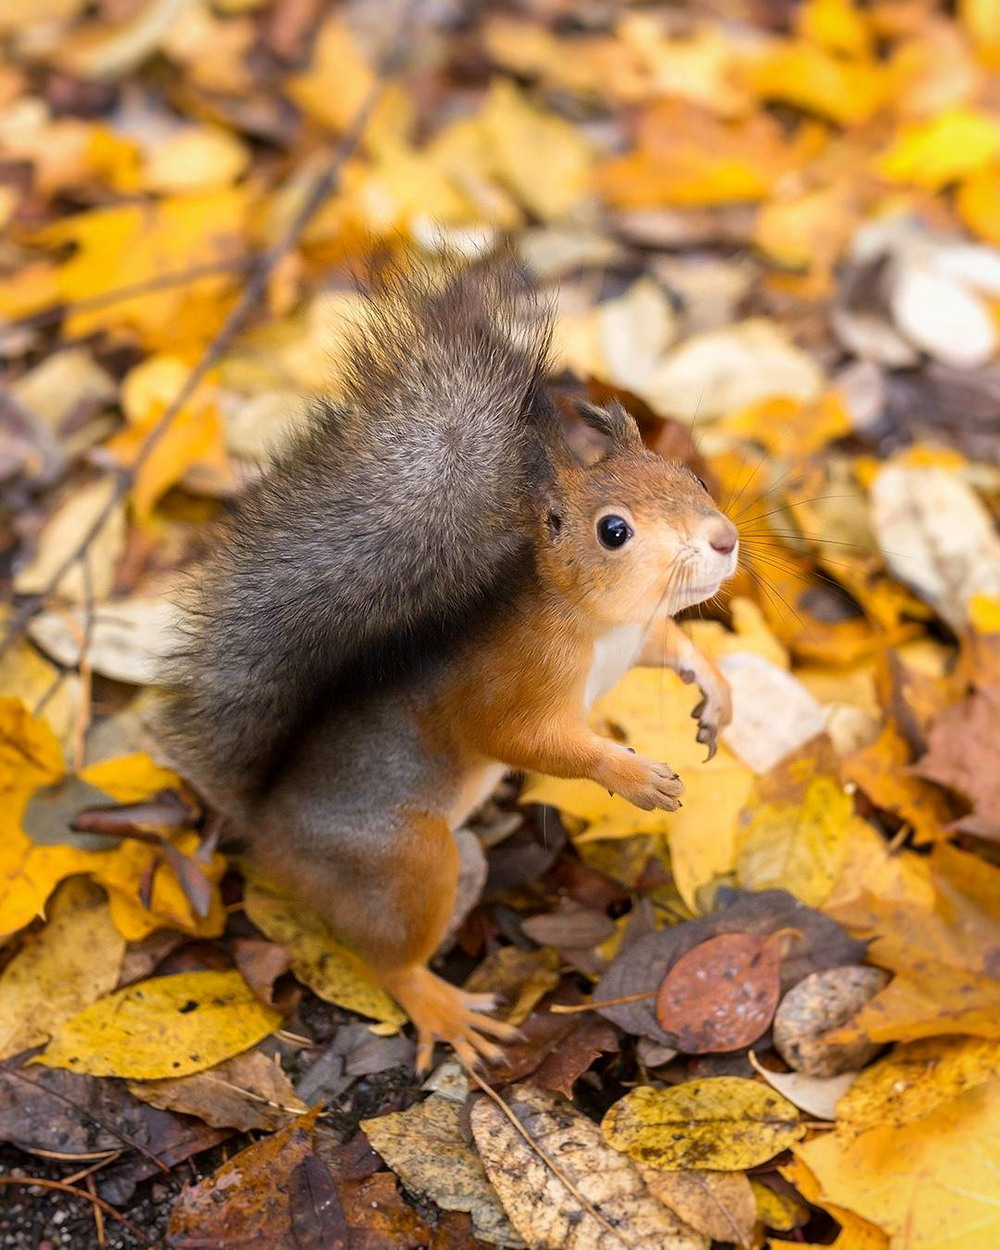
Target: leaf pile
{"type": "Point", "coordinates": [772, 1016]}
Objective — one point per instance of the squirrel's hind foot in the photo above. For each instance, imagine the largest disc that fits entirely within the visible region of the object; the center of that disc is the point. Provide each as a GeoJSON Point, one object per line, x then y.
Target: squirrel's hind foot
{"type": "Point", "coordinates": [442, 1012]}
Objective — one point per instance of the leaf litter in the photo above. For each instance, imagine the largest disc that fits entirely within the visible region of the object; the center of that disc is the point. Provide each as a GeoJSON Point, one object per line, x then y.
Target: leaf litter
{"type": "Point", "coordinates": [775, 228]}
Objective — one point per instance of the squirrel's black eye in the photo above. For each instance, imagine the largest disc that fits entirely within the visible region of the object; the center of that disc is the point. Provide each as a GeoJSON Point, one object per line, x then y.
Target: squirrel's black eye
{"type": "Point", "coordinates": [613, 531]}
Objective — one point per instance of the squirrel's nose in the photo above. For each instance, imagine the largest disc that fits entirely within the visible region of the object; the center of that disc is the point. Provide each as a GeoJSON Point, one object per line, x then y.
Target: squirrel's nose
{"type": "Point", "coordinates": [721, 535]}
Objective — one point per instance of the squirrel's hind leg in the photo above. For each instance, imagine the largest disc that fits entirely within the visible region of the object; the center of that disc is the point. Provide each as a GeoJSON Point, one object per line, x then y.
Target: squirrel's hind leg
{"type": "Point", "coordinates": [388, 893]}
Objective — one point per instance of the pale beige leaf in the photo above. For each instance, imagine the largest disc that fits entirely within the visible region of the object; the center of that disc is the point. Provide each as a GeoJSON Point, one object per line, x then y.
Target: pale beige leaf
{"type": "Point", "coordinates": [61, 536]}
{"type": "Point", "coordinates": [426, 1147]}
{"type": "Point", "coordinates": [572, 1192]}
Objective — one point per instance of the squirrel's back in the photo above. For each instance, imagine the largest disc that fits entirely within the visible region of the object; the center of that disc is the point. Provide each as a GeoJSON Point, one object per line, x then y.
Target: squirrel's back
{"type": "Point", "coordinates": [401, 517]}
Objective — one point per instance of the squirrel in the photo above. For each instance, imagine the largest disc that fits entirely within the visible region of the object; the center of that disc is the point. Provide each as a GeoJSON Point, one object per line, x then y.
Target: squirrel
{"type": "Point", "coordinates": [425, 591]}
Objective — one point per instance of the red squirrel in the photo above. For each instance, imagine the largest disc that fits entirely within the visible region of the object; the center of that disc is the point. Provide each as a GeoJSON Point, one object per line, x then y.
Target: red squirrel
{"type": "Point", "coordinates": [426, 591]}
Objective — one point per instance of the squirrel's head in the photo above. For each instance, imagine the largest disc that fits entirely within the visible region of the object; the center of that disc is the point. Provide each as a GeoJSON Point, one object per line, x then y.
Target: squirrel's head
{"type": "Point", "coordinates": [632, 533]}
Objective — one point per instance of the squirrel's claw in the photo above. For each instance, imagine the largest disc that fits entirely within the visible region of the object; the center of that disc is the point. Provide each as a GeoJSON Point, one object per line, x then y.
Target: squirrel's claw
{"type": "Point", "coordinates": [442, 1012]}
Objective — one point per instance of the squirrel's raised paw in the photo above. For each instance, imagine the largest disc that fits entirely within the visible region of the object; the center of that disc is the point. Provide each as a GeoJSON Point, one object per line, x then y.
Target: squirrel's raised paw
{"type": "Point", "coordinates": [444, 1013]}
{"type": "Point", "coordinates": [645, 783]}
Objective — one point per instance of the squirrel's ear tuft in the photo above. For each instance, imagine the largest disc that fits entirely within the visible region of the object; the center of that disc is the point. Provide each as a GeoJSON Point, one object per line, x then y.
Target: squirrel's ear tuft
{"type": "Point", "coordinates": [615, 423]}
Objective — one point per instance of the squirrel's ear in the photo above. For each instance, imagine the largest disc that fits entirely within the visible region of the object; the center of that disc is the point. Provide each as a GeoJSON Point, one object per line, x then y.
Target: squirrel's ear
{"type": "Point", "coordinates": [615, 423]}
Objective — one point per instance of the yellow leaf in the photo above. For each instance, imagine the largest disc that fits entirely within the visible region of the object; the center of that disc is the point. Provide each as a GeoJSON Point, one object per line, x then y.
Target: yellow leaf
{"type": "Point", "coordinates": [790, 428]}
{"type": "Point", "coordinates": [123, 873]}
{"type": "Point", "coordinates": [130, 243]}
{"type": "Point", "coordinates": [950, 146]}
{"type": "Point", "coordinates": [978, 202]}
{"type": "Point", "coordinates": [984, 614]}
{"type": "Point", "coordinates": [836, 24]}
{"type": "Point", "coordinates": [544, 160]}
{"type": "Point", "coordinates": [928, 1184]}
{"type": "Point", "coordinates": [855, 1233]}
{"type": "Point", "coordinates": [652, 708]}
{"type": "Point", "coordinates": [915, 1079]}
{"type": "Point", "coordinates": [194, 438]}
{"type": "Point", "coordinates": [688, 158]}
{"type": "Point", "coordinates": [782, 1212]}
{"type": "Point", "coordinates": [29, 753]}
{"type": "Point", "coordinates": [130, 778]}
{"type": "Point", "coordinates": [64, 967]}
{"type": "Point", "coordinates": [848, 92]}
{"type": "Point", "coordinates": [196, 158]}
{"type": "Point", "coordinates": [335, 87]}
{"type": "Point", "coordinates": [168, 1026]}
{"type": "Point", "coordinates": [981, 18]}
{"type": "Point", "coordinates": [882, 772]}
{"type": "Point", "coordinates": [316, 959]}
{"type": "Point", "coordinates": [726, 1123]}
{"type": "Point", "coordinates": [796, 843]}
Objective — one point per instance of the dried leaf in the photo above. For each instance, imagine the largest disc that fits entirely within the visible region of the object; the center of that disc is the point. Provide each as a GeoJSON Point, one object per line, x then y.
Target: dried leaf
{"type": "Point", "coordinates": [168, 1026]}
{"type": "Point", "coordinates": [719, 1204]}
{"type": "Point", "coordinates": [725, 1123]}
{"type": "Point", "coordinates": [427, 1149]}
{"type": "Point", "coordinates": [817, 1096]}
{"type": "Point", "coordinates": [721, 995]}
{"type": "Point", "coordinates": [605, 1199]}
{"type": "Point", "coordinates": [249, 1091]}
{"type": "Point", "coordinates": [815, 1007]}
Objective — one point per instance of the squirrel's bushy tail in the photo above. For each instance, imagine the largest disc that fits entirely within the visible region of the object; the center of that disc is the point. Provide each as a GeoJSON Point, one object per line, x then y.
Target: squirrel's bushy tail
{"type": "Point", "coordinates": [401, 513]}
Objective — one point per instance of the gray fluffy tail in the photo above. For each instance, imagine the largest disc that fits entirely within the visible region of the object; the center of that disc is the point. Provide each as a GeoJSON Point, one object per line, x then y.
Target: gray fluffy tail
{"type": "Point", "coordinates": [402, 513]}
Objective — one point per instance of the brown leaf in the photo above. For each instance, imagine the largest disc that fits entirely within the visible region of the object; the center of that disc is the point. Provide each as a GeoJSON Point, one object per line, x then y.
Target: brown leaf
{"type": "Point", "coordinates": [964, 755]}
{"type": "Point", "coordinates": [641, 967]}
{"type": "Point", "coordinates": [573, 1189]}
{"type": "Point", "coordinates": [317, 1217]}
{"type": "Point", "coordinates": [722, 994]}
{"type": "Point", "coordinates": [249, 1091]}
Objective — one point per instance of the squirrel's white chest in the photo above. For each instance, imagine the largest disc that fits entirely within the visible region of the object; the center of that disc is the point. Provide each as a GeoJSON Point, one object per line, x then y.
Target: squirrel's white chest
{"type": "Point", "coordinates": [614, 654]}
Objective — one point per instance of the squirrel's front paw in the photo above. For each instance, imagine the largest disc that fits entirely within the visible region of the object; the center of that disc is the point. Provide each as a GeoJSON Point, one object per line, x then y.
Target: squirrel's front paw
{"type": "Point", "coordinates": [715, 708]}
{"type": "Point", "coordinates": [644, 782]}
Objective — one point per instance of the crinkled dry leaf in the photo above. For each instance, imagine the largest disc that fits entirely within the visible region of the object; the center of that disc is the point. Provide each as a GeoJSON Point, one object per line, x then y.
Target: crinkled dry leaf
{"type": "Point", "coordinates": [427, 1149]}
{"type": "Point", "coordinates": [168, 1026]}
{"type": "Point", "coordinates": [249, 1091]}
{"type": "Point", "coordinates": [719, 1204]}
{"type": "Point", "coordinates": [725, 1123]}
{"type": "Point", "coordinates": [605, 1203]}
{"type": "Point", "coordinates": [815, 1007]}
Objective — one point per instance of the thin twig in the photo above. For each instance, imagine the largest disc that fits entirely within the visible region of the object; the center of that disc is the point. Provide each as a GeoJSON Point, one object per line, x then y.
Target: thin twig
{"type": "Point", "coordinates": [102, 1239]}
{"type": "Point", "coordinates": [28, 1182]}
{"type": "Point", "coordinates": [545, 1157]}
{"type": "Point", "coordinates": [323, 187]}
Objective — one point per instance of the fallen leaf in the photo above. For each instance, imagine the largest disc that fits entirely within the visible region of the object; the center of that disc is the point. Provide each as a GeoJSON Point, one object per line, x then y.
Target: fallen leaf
{"type": "Point", "coordinates": [168, 1026]}
{"type": "Point", "coordinates": [427, 1149]}
{"type": "Point", "coordinates": [928, 1183]}
{"type": "Point", "coordinates": [755, 735]}
{"type": "Point", "coordinates": [719, 1204]}
{"type": "Point", "coordinates": [60, 539]}
{"type": "Point", "coordinates": [932, 153]}
{"type": "Point", "coordinates": [62, 968]}
{"type": "Point", "coordinates": [722, 994]}
{"type": "Point", "coordinates": [640, 967]}
{"type": "Point", "coordinates": [801, 73]}
{"type": "Point", "coordinates": [128, 638]}
{"type": "Point", "coordinates": [915, 1079]}
{"type": "Point", "coordinates": [316, 959]}
{"type": "Point", "coordinates": [794, 833]}
{"type": "Point", "coordinates": [196, 158]}
{"type": "Point", "coordinates": [578, 1192]}
{"type": "Point", "coordinates": [817, 1096]}
{"type": "Point", "coordinates": [943, 317]}
{"type": "Point", "coordinates": [962, 754]}
{"type": "Point", "coordinates": [726, 1123]}
{"type": "Point", "coordinates": [55, 1111]}
{"type": "Point", "coordinates": [246, 1201]}
{"type": "Point", "coordinates": [249, 1091]}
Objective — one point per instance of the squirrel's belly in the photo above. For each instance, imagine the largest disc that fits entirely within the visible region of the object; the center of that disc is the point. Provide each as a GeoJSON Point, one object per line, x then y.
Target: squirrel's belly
{"type": "Point", "coordinates": [614, 654]}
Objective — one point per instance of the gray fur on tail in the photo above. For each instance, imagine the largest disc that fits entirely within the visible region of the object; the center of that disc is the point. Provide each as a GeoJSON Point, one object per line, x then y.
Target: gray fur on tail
{"type": "Point", "coordinates": [403, 513]}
